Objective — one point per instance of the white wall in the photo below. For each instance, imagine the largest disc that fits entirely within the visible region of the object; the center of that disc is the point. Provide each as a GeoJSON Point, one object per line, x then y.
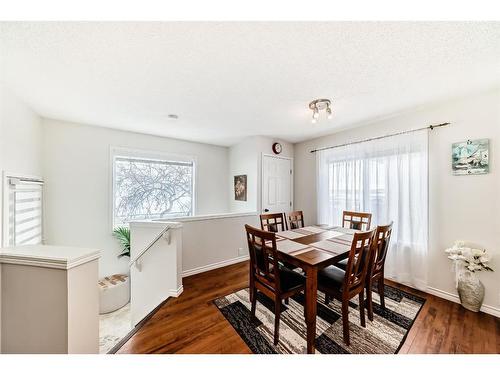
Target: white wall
{"type": "Point", "coordinates": [157, 274]}
{"type": "Point", "coordinates": [246, 158]}
{"type": "Point", "coordinates": [461, 207]}
{"type": "Point", "coordinates": [243, 160]}
{"type": "Point", "coordinates": [201, 250]}
{"type": "Point", "coordinates": [20, 139]}
{"type": "Point", "coordinates": [76, 161]}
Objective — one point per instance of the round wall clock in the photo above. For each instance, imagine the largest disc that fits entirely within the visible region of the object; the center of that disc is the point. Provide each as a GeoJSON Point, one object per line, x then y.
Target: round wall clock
{"type": "Point", "coordinates": [277, 148]}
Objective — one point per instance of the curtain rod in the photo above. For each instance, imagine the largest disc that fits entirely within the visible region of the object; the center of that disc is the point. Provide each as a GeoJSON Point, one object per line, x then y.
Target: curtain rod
{"type": "Point", "coordinates": [431, 127]}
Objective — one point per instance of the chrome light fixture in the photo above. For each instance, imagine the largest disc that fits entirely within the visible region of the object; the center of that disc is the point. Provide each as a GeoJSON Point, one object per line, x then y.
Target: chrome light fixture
{"type": "Point", "coordinates": [320, 105]}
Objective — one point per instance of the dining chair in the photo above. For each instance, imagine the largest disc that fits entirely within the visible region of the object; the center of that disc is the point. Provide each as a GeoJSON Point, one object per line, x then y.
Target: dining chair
{"type": "Point", "coordinates": [296, 219]}
{"type": "Point", "coordinates": [376, 267]}
{"type": "Point", "coordinates": [356, 220]}
{"type": "Point", "coordinates": [375, 274]}
{"type": "Point", "coordinates": [273, 222]}
{"type": "Point", "coordinates": [268, 276]}
{"type": "Point", "coordinates": [344, 285]}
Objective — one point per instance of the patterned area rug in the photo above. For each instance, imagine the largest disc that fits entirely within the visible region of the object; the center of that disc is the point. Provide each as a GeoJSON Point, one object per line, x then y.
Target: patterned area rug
{"type": "Point", "coordinates": [385, 335]}
{"type": "Point", "coordinates": [113, 327]}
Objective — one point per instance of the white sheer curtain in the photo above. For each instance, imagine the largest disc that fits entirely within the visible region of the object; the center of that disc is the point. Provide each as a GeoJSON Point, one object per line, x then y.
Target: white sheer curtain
{"type": "Point", "coordinates": [388, 178]}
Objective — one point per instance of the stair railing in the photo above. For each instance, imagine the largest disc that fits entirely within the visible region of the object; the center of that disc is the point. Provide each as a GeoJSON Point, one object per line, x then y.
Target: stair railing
{"type": "Point", "coordinates": [150, 245]}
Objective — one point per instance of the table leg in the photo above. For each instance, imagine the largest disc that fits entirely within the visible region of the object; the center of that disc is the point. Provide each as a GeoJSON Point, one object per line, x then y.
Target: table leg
{"type": "Point", "coordinates": [311, 298]}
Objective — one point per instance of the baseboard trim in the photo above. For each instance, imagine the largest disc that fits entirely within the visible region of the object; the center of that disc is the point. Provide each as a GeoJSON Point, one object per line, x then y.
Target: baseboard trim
{"type": "Point", "coordinates": [491, 310]}
{"type": "Point", "coordinates": [176, 292]}
{"type": "Point", "coordinates": [214, 266]}
{"type": "Point", "coordinates": [134, 330]}
{"type": "Point", "coordinates": [173, 293]}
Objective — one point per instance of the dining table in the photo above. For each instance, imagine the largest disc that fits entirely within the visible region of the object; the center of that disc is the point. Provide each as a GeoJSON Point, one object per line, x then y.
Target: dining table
{"type": "Point", "coordinates": [313, 248]}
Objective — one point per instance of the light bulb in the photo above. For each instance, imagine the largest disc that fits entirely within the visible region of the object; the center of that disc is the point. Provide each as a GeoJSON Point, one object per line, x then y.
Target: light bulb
{"type": "Point", "coordinates": [313, 120]}
{"type": "Point", "coordinates": [315, 113]}
{"type": "Point", "coordinates": [329, 111]}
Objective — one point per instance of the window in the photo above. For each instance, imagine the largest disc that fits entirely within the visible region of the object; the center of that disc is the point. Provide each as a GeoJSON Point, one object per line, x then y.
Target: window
{"type": "Point", "coordinates": [388, 178]}
{"type": "Point", "coordinates": [24, 211]}
{"type": "Point", "coordinates": [358, 185]}
{"type": "Point", "coordinates": [151, 188]}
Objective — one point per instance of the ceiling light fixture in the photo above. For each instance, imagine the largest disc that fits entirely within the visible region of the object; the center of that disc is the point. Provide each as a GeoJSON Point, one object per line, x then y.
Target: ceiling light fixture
{"type": "Point", "coordinates": [329, 112]}
{"type": "Point", "coordinates": [320, 105]}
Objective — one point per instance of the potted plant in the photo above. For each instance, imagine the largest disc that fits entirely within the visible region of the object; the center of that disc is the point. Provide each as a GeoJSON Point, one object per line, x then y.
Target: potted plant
{"type": "Point", "coordinates": [468, 262]}
{"type": "Point", "coordinates": [123, 236]}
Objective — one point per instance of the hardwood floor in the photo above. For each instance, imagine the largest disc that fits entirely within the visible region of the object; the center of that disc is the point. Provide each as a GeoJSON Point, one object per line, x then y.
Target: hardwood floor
{"type": "Point", "coordinates": [192, 323]}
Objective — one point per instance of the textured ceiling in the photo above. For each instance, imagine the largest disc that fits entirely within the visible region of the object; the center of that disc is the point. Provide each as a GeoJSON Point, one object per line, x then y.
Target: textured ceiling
{"type": "Point", "coordinates": [226, 81]}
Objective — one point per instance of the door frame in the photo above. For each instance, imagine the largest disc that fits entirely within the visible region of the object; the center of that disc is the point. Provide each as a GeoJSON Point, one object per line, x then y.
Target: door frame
{"type": "Point", "coordinates": [261, 175]}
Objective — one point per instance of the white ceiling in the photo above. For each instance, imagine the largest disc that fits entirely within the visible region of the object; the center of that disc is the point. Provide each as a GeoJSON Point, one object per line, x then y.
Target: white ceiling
{"type": "Point", "coordinates": [226, 81]}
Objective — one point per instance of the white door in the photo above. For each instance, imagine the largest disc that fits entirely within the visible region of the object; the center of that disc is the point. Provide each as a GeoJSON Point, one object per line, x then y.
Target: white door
{"type": "Point", "coordinates": [276, 184]}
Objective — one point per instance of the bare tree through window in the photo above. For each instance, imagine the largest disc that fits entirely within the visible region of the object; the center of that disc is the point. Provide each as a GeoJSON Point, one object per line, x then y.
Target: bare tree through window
{"type": "Point", "coordinates": [152, 189]}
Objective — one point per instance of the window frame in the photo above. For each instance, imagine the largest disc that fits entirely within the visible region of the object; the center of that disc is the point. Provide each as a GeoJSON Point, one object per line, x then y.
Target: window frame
{"type": "Point", "coordinates": [124, 152]}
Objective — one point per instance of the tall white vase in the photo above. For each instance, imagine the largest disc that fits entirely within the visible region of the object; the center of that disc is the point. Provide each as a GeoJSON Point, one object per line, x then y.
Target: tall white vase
{"type": "Point", "coordinates": [470, 290]}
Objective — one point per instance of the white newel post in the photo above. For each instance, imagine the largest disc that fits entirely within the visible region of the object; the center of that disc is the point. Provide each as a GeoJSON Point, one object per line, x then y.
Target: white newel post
{"type": "Point", "coordinates": [50, 300]}
{"type": "Point", "coordinates": [157, 274]}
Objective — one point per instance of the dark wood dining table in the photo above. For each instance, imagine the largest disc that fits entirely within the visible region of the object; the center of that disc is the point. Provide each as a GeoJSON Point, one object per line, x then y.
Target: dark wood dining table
{"type": "Point", "coordinates": [321, 250]}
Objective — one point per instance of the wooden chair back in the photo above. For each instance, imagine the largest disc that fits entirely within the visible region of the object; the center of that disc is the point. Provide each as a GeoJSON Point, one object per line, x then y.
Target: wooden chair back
{"type": "Point", "coordinates": [356, 220]}
{"type": "Point", "coordinates": [263, 257]}
{"type": "Point", "coordinates": [380, 246]}
{"type": "Point", "coordinates": [273, 222]}
{"type": "Point", "coordinates": [358, 262]}
{"type": "Point", "coordinates": [296, 220]}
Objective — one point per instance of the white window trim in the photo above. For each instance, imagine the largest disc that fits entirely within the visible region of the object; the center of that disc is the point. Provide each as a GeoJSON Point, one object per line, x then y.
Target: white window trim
{"type": "Point", "coordinates": [5, 202]}
{"type": "Point", "coordinates": [115, 151]}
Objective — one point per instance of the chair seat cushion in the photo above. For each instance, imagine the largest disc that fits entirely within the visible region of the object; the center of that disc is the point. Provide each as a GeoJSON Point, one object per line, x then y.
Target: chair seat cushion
{"type": "Point", "coordinates": [290, 279]}
{"type": "Point", "coordinates": [290, 266]}
{"type": "Point", "coordinates": [331, 276]}
{"type": "Point", "coordinates": [342, 264]}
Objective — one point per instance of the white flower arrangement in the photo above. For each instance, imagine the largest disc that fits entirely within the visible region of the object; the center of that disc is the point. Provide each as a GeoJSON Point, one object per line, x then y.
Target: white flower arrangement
{"type": "Point", "coordinates": [472, 259]}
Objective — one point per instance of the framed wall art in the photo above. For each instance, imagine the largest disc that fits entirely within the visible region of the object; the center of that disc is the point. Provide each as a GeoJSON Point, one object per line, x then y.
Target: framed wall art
{"type": "Point", "coordinates": [470, 157]}
{"type": "Point", "coordinates": [240, 187]}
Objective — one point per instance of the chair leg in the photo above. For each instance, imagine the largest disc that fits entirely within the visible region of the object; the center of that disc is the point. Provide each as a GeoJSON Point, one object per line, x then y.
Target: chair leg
{"type": "Point", "coordinates": [380, 288]}
{"type": "Point", "coordinates": [362, 308]}
{"type": "Point", "coordinates": [254, 300]}
{"type": "Point", "coordinates": [277, 313]}
{"type": "Point", "coordinates": [345, 321]}
{"type": "Point", "coordinates": [287, 300]}
{"type": "Point", "coordinates": [369, 302]}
